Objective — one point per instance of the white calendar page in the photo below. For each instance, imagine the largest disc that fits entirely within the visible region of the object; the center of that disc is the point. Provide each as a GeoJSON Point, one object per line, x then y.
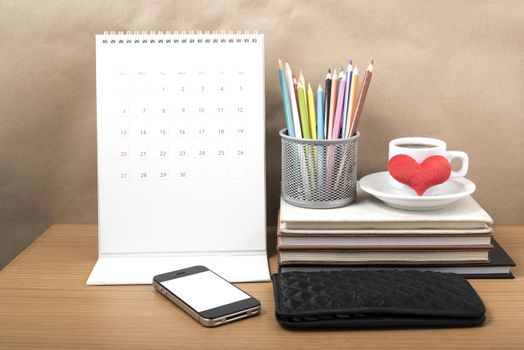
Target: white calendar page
{"type": "Point", "coordinates": [181, 168]}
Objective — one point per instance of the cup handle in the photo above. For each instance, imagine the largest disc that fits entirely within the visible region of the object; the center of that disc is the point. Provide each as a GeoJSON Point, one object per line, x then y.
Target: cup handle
{"type": "Point", "coordinates": [465, 162]}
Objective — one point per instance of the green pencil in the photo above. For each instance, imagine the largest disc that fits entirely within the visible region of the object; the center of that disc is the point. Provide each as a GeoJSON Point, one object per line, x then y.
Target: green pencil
{"type": "Point", "coordinates": [302, 106]}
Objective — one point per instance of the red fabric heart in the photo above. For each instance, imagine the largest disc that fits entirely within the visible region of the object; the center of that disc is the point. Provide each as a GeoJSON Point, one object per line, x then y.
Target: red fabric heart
{"type": "Point", "coordinates": [432, 171]}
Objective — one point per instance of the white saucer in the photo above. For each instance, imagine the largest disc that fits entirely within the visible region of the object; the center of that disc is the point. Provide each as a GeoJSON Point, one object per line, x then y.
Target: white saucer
{"type": "Point", "coordinates": [452, 190]}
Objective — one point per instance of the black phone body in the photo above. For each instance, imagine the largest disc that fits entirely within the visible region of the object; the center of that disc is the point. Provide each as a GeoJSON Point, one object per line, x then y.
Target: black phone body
{"type": "Point", "coordinates": [205, 296]}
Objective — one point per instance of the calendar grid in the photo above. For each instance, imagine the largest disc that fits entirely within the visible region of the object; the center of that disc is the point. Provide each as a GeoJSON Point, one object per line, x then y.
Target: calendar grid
{"type": "Point", "coordinates": [180, 135]}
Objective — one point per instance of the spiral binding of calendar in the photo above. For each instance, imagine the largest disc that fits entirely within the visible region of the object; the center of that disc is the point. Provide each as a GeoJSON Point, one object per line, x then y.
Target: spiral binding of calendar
{"type": "Point", "coordinates": [180, 37]}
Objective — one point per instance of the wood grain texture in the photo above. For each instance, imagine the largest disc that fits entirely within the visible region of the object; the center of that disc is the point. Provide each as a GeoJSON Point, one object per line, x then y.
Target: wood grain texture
{"type": "Point", "coordinates": [44, 303]}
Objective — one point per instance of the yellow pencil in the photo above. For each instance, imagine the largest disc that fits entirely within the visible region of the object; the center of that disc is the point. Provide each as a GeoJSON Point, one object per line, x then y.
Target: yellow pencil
{"type": "Point", "coordinates": [311, 111]}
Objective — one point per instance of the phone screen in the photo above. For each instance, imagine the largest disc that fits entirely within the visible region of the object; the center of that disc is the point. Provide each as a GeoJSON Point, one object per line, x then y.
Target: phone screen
{"type": "Point", "coordinates": [204, 290]}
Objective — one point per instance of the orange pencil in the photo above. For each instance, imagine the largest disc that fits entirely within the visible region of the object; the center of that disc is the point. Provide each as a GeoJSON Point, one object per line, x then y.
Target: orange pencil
{"type": "Point", "coordinates": [332, 103]}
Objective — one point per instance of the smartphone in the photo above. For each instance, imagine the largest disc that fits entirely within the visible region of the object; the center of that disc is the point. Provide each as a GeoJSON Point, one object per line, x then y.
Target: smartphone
{"type": "Point", "coordinates": [207, 297]}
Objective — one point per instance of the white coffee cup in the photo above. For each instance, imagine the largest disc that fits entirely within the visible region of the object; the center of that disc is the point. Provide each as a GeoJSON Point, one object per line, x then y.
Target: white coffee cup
{"type": "Point", "coordinates": [420, 148]}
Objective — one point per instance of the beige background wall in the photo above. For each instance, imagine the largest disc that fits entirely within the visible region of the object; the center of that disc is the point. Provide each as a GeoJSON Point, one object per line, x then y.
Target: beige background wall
{"type": "Point", "coordinates": [447, 69]}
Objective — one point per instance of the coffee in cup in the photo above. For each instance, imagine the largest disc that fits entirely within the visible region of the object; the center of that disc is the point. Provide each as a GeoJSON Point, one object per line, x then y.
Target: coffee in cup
{"type": "Point", "coordinates": [421, 165]}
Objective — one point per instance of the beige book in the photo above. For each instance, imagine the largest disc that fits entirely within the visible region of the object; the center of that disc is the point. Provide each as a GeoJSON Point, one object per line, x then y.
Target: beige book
{"type": "Point", "coordinates": [422, 242]}
{"type": "Point", "coordinates": [368, 213]}
{"type": "Point", "coordinates": [383, 257]}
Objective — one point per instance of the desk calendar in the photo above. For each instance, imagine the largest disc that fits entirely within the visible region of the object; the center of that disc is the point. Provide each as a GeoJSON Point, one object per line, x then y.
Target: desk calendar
{"type": "Point", "coordinates": [181, 168]}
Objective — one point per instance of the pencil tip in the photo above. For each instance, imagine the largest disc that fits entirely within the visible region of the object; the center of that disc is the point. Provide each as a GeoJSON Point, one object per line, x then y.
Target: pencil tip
{"type": "Point", "coordinates": [370, 67]}
{"type": "Point", "coordinates": [373, 61]}
{"type": "Point", "coordinates": [351, 61]}
{"type": "Point", "coordinates": [329, 70]}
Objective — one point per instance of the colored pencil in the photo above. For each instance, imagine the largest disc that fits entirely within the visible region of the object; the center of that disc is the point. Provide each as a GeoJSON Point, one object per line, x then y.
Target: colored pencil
{"type": "Point", "coordinates": [332, 103]}
{"type": "Point", "coordinates": [296, 94]}
{"type": "Point", "coordinates": [341, 76]}
{"type": "Point", "coordinates": [302, 107]}
{"type": "Point", "coordinates": [352, 101]}
{"type": "Point", "coordinates": [285, 99]}
{"type": "Point", "coordinates": [361, 99]}
{"type": "Point", "coordinates": [293, 101]}
{"type": "Point", "coordinates": [340, 106]}
{"type": "Point", "coordinates": [327, 100]}
{"type": "Point", "coordinates": [312, 112]}
{"type": "Point", "coordinates": [320, 113]}
{"type": "Point", "coordinates": [339, 85]}
{"type": "Point", "coordinates": [349, 73]}
{"type": "Point", "coordinates": [301, 79]}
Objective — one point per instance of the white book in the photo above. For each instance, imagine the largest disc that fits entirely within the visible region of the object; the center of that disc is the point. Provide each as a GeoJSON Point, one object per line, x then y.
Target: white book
{"type": "Point", "coordinates": [370, 213]}
{"type": "Point", "coordinates": [384, 232]}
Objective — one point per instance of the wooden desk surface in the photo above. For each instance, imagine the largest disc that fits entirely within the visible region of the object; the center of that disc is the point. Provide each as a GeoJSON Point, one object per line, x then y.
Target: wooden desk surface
{"type": "Point", "coordinates": [44, 303]}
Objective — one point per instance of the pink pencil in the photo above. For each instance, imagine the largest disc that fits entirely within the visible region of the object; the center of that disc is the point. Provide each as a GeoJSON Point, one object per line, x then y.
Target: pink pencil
{"type": "Point", "coordinates": [338, 113]}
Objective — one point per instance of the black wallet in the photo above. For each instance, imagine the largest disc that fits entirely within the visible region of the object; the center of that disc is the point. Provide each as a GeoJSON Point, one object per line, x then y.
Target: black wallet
{"type": "Point", "coordinates": [375, 299]}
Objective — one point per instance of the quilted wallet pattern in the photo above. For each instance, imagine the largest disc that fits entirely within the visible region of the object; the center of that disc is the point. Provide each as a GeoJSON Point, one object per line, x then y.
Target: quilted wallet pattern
{"type": "Point", "coordinates": [375, 299]}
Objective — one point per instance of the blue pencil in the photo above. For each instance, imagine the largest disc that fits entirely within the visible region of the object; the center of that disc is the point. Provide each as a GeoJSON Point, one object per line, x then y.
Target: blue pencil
{"type": "Point", "coordinates": [285, 98]}
{"type": "Point", "coordinates": [320, 113]}
{"type": "Point", "coordinates": [349, 75]}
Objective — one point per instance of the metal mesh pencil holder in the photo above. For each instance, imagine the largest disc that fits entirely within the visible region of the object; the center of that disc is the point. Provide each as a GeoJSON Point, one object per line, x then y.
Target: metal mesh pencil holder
{"type": "Point", "coordinates": [319, 173]}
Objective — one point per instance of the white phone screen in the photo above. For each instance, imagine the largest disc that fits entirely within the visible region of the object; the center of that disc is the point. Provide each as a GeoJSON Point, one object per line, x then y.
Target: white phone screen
{"type": "Point", "coordinates": [204, 290]}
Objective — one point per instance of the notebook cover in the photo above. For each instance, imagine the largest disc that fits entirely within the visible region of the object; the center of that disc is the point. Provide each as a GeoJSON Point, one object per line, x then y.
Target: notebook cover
{"type": "Point", "coordinates": [375, 247]}
{"type": "Point", "coordinates": [402, 234]}
{"type": "Point", "coordinates": [381, 232]}
{"type": "Point", "coordinates": [370, 213]}
{"type": "Point", "coordinates": [479, 275]}
{"type": "Point", "coordinates": [379, 257]}
{"type": "Point", "coordinates": [498, 257]}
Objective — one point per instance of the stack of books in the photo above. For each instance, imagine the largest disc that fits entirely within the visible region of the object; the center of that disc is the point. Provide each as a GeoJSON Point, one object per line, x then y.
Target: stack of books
{"type": "Point", "coordinates": [370, 235]}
